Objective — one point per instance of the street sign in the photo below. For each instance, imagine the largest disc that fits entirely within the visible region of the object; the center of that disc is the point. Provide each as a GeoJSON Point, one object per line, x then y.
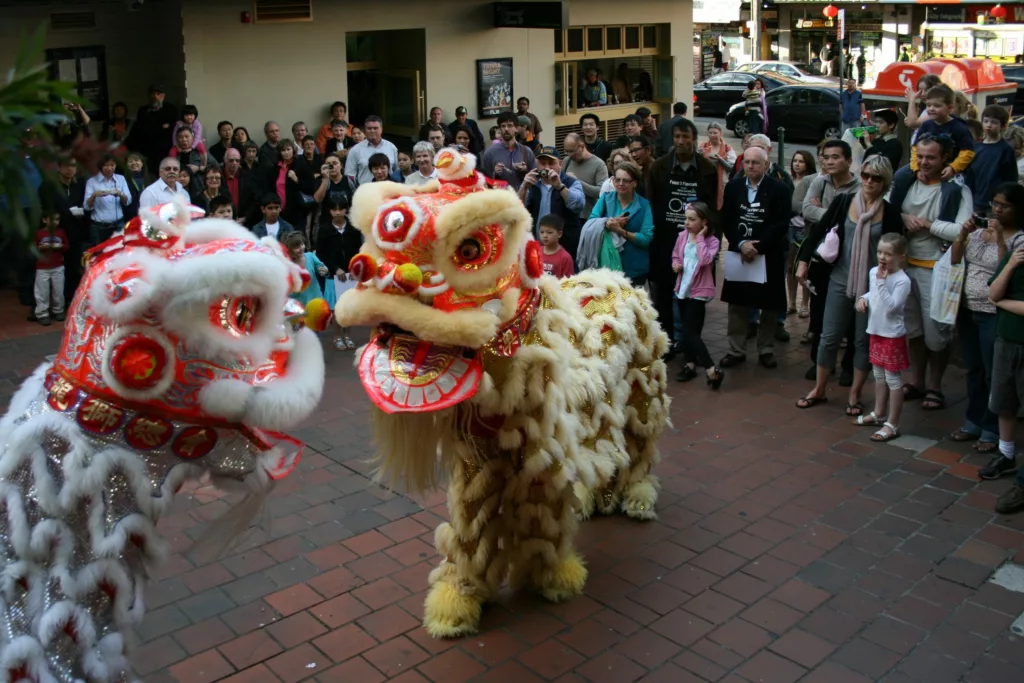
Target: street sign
{"type": "Point", "coordinates": [842, 24]}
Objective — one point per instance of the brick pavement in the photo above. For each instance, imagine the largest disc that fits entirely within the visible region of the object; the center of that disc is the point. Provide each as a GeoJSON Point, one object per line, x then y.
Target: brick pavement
{"type": "Point", "coordinates": [789, 548]}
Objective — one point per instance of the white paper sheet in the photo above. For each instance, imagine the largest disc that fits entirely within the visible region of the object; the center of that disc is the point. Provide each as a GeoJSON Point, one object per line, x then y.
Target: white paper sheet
{"type": "Point", "coordinates": [342, 287]}
{"type": "Point", "coordinates": [90, 69]}
{"type": "Point", "coordinates": [66, 70]}
{"type": "Point", "coordinates": [738, 271]}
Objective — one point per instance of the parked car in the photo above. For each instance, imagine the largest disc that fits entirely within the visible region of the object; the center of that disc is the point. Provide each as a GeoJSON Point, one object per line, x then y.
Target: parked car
{"type": "Point", "coordinates": [1014, 73]}
{"type": "Point", "coordinates": [808, 112]}
{"type": "Point", "coordinates": [713, 96]}
{"type": "Point", "coordinates": [795, 71]}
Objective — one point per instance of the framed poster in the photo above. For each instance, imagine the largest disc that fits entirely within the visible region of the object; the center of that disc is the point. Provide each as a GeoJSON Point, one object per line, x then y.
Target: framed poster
{"type": "Point", "coordinates": [493, 87]}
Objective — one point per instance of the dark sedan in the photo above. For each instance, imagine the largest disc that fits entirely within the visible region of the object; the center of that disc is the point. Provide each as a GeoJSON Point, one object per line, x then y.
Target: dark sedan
{"type": "Point", "coordinates": [1014, 73]}
{"type": "Point", "coordinates": [807, 112]}
{"type": "Point", "coordinates": [713, 96]}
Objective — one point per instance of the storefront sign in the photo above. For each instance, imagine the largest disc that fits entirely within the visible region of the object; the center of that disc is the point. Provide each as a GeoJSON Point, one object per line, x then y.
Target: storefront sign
{"type": "Point", "coordinates": [716, 11]}
{"type": "Point", "coordinates": [493, 86]}
{"type": "Point", "coordinates": [532, 14]}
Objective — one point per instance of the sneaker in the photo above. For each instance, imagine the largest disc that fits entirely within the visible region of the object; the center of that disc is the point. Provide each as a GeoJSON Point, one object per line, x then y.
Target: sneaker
{"type": "Point", "coordinates": [45, 322]}
{"type": "Point", "coordinates": [782, 334]}
{"type": "Point", "coordinates": [349, 344]}
{"type": "Point", "coordinates": [1012, 500]}
{"type": "Point", "coordinates": [339, 344]}
{"type": "Point", "coordinates": [59, 317]}
{"type": "Point", "coordinates": [997, 467]}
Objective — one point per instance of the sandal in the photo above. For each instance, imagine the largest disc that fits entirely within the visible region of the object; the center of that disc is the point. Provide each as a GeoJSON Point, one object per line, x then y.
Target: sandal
{"type": "Point", "coordinates": [855, 409]}
{"type": "Point", "coordinates": [986, 447]}
{"type": "Point", "coordinates": [804, 313]}
{"type": "Point", "coordinates": [933, 400]}
{"type": "Point", "coordinates": [862, 420]}
{"type": "Point", "coordinates": [961, 435]}
{"type": "Point", "coordinates": [686, 373]}
{"type": "Point", "coordinates": [911, 393]}
{"type": "Point", "coordinates": [881, 436]}
{"type": "Point", "coordinates": [810, 401]}
{"type": "Point", "coordinates": [715, 377]}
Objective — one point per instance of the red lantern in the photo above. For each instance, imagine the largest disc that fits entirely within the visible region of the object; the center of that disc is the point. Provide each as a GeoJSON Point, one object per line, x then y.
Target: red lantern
{"type": "Point", "coordinates": [999, 12]}
{"type": "Point", "coordinates": [832, 11]}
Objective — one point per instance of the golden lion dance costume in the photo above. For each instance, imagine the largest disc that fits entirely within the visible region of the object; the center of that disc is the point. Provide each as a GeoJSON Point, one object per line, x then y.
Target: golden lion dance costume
{"type": "Point", "coordinates": [181, 350]}
{"type": "Point", "coordinates": [517, 386]}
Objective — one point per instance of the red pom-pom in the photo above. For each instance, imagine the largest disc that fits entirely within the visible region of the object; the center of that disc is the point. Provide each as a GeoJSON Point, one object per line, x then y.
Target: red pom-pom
{"type": "Point", "coordinates": [534, 263]}
{"type": "Point", "coordinates": [362, 267]}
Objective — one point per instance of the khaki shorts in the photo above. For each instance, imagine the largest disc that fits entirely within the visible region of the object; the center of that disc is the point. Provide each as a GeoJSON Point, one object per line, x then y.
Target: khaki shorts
{"type": "Point", "coordinates": [915, 316]}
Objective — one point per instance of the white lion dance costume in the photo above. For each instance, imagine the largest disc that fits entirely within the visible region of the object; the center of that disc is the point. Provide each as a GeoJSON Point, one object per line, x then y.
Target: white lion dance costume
{"type": "Point", "coordinates": [515, 385]}
{"type": "Point", "coordinates": [181, 348]}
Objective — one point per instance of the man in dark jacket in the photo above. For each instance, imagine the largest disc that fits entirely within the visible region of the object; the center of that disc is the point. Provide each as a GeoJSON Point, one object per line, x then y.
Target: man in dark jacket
{"type": "Point", "coordinates": [666, 129]}
{"type": "Point", "coordinates": [462, 119]}
{"type": "Point", "coordinates": [675, 180]}
{"type": "Point", "coordinates": [755, 219]}
{"type": "Point", "coordinates": [547, 190]}
{"type": "Point", "coordinates": [151, 134]}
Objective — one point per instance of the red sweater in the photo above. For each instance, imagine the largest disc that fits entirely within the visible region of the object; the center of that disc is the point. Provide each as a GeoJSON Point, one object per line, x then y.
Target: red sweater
{"type": "Point", "coordinates": [51, 248]}
{"type": "Point", "coordinates": [558, 264]}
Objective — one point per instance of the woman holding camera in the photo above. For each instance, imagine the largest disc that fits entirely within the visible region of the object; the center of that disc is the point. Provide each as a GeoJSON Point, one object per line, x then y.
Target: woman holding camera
{"type": "Point", "coordinates": [630, 225]}
{"type": "Point", "coordinates": [982, 244]}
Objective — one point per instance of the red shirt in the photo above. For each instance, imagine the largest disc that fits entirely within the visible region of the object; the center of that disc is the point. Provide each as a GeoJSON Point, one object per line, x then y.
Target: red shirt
{"type": "Point", "coordinates": [558, 264]}
{"type": "Point", "coordinates": [51, 248]}
{"type": "Point", "coordinates": [232, 185]}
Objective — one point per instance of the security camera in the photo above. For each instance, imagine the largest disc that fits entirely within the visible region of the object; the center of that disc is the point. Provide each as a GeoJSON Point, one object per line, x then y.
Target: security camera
{"type": "Point", "coordinates": [134, 5]}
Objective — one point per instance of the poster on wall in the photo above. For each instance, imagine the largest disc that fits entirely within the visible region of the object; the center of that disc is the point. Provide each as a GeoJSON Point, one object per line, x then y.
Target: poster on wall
{"type": "Point", "coordinates": [493, 86]}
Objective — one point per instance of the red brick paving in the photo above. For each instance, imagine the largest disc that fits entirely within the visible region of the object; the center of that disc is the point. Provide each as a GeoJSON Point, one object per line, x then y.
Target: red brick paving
{"type": "Point", "coordinates": [789, 548]}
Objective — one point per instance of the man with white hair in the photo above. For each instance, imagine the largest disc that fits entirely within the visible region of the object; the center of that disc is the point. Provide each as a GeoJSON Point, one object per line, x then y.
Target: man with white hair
{"type": "Point", "coordinates": [778, 173]}
{"type": "Point", "coordinates": [755, 219]}
{"type": "Point", "coordinates": [423, 160]}
{"type": "Point", "coordinates": [586, 168]}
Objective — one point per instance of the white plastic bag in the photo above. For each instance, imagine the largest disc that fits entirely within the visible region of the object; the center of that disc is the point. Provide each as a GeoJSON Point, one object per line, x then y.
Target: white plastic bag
{"type": "Point", "coordinates": [857, 150]}
{"type": "Point", "coordinates": [828, 250]}
{"type": "Point", "coordinates": [947, 286]}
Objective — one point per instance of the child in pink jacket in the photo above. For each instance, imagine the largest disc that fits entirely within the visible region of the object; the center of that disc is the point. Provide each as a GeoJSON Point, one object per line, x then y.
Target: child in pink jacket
{"type": "Point", "coordinates": [693, 258]}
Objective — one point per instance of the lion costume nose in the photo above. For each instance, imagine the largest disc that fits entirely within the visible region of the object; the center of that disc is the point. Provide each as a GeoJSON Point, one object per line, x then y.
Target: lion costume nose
{"type": "Point", "coordinates": [391, 277]}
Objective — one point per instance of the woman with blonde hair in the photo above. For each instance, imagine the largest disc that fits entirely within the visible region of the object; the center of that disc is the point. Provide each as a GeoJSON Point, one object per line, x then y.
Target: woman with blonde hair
{"type": "Point", "coordinates": [860, 220]}
{"type": "Point", "coordinates": [721, 154]}
{"type": "Point", "coordinates": [615, 160]}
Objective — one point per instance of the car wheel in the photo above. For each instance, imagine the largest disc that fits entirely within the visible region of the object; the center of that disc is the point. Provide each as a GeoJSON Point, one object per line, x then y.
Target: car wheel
{"type": "Point", "coordinates": [832, 132]}
{"type": "Point", "coordinates": [741, 128]}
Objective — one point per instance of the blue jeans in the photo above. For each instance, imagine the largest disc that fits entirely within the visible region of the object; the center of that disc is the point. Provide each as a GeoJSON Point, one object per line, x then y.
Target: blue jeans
{"type": "Point", "coordinates": [977, 343]}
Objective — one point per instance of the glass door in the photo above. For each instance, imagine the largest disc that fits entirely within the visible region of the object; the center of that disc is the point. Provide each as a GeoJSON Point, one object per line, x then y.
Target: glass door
{"type": "Point", "coordinates": [404, 102]}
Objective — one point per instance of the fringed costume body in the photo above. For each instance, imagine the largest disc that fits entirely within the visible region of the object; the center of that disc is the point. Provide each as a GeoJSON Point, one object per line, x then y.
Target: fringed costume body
{"type": "Point", "coordinates": [539, 400]}
{"type": "Point", "coordinates": [178, 359]}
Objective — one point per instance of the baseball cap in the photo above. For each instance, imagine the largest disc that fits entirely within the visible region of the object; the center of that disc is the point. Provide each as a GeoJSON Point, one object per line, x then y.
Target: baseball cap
{"type": "Point", "coordinates": [156, 87]}
{"type": "Point", "coordinates": [523, 120]}
{"type": "Point", "coordinates": [460, 110]}
{"type": "Point", "coordinates": [548, 151]}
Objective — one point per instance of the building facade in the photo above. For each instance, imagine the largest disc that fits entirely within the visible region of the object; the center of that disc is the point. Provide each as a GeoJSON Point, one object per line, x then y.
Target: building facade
{"type": "Point", "coordinates": [397, 58]}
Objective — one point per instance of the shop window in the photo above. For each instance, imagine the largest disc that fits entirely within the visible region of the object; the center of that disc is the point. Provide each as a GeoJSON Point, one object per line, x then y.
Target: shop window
{"type": "Point", "coordinates": [628, 80]}
{"type": "Point", "coordinates": [632, 38]}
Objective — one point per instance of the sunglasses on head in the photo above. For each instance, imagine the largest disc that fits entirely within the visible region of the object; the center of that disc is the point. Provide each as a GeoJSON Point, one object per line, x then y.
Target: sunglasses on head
{"type": "Point", "coordinates": [872, 177]}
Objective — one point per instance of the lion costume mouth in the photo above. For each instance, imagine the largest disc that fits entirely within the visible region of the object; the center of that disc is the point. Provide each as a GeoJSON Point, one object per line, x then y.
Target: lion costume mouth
{"type": "Point", "coordinates": [403, 373]}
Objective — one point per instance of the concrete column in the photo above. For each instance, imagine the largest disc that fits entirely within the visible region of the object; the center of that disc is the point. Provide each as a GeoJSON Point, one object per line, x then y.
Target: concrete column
{"type": "Point", "coordinates": [785, 32]}
{"type": "Point", "coordinates": [895, 22]}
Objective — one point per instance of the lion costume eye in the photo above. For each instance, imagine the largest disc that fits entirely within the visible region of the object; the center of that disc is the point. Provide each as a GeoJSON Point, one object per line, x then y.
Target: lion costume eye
{"type": "Point", "coordinates": [237, 314]}
{"type": "Point", "coordinates": [469, 250]}
{"type": "Point", "coordinates": [479, 249]}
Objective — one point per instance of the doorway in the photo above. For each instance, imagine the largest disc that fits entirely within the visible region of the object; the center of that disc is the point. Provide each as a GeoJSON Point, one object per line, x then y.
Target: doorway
{"type": "Point", "coordinates": [386, 77]}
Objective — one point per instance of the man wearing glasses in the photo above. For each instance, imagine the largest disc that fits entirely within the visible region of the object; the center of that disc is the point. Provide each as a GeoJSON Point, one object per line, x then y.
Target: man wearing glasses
{"type": "Point", "coordinates": [933, 211]}
{"type": "Point", "coordinates": [239, 187]}
{"type": "Point", "coordinates": [166, 188]}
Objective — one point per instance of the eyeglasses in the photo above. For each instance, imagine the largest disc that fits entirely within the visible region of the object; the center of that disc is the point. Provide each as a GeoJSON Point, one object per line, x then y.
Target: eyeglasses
{"type": "Point", "coordinates": [1001, 206]}
{"type": "Point", "coordinates": [622, 181]}
{"type": "Point", "coordinates": [872, 177]}
{"type": "Point", "coordinates": [169, 168]}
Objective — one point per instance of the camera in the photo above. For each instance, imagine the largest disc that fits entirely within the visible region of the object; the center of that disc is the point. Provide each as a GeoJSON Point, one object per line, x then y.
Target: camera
{"type": "Point", "coordinates": [544, 172]}
{"type": "Point", "coordinates": [980, 220]}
